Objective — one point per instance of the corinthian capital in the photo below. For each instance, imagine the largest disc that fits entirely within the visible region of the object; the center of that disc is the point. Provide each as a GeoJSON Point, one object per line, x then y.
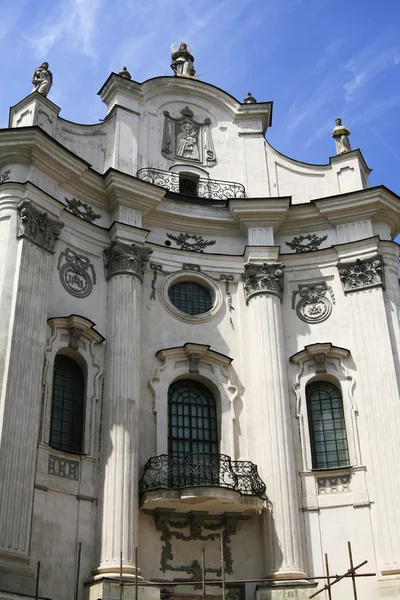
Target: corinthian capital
{"type": "Point", "coordinates": [37, 227]}
{"type": "Point", "coordinates": [263, 279]}
{"type": "Point", "coordinates": [362, 274]}
{"type": "Point", "coordinates": [130, 259]}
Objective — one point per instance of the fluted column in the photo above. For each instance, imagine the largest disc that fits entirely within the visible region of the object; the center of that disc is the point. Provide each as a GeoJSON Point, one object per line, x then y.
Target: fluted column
{"type": "Point", "coordinates": [25, 312]}
{"type": "Point", "coordinates": [379, 402]}
{"type": "Point", "coordinates": [118, 520]}
{"type": "Point", "coordinates": [263, 284]}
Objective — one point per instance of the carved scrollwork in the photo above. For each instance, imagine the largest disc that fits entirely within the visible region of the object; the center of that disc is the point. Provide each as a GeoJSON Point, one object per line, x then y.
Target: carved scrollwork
{"type": "Point", "coordinates": [263, 279]}
{"type": "Point", "coordinates": [77, 274]}
{"type": "Point", "coordinates": [313, 242]}
{"type": "Point", "coordinates": [82, 210]}
{"type": "Point", "coordinates": [122, 258]}
{"type": "Point", "coordinates": [192, 243]}
{"type": "Point", "coordinates": [362, 274]}
{"type": "Point", "coordinates": [37, 227]}
{"type": "Point", "coordinates": [314, 306]}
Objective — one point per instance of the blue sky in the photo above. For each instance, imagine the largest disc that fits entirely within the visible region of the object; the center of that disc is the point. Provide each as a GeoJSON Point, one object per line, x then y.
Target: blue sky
{"type": "Point", "coordinates": [316, 59]}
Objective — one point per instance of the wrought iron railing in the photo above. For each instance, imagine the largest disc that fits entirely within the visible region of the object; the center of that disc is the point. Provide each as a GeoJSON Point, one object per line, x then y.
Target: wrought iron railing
{"type": "Point", "coordinates": [196, 187]}
{"type": "Point", "coordinates": [201, 470]}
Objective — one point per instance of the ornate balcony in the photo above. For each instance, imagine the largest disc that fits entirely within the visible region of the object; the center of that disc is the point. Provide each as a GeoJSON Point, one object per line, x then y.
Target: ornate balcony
{"type": "Point", "coordinates": [195, 187]}
{"type": "Point", "coordinates": [214, 478]}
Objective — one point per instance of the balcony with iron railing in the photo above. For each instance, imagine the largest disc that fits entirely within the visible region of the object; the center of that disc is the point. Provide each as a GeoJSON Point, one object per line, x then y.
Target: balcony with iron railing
{"type": "Point", "coordinates": [174, 481]}
{"type": "Point", "coordinates": [187, 184]}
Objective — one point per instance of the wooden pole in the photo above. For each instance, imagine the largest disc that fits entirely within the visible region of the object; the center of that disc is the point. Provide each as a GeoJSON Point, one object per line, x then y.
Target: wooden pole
{"type": "Point", "coordinates": [203, 570]}
{"type": "Point", "coordinates": [136, 576]}
{"type": "Point", "coordinates": [78, 570]}
{"type": "Point", "coordinates": [353, 579]}
{"type": "Point", "coordinates": [222, 565]}
{"type": "Point", "coordinates": [37, 580]}
{"type": "Point", "coordinates": [327, 574]}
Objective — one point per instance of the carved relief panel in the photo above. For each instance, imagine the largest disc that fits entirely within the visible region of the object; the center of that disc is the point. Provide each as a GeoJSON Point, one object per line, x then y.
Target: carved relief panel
{"type": "Point", "coordinates": [186, 138]}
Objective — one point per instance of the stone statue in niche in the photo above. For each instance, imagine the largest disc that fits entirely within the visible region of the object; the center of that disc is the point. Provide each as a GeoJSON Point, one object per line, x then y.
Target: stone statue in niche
{"type": "Point", "coordinates": [42, 79]}
{"type": "Point", "coordinates": [341, 134]}
{"type": "Point", "coordinates": [182, 61]}
{"type": "Point", "coordinates": [188, 139]}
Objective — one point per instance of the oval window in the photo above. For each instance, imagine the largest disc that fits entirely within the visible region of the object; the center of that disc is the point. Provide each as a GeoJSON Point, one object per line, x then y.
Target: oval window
{"type": "Point", "coordinates": [190, 297]}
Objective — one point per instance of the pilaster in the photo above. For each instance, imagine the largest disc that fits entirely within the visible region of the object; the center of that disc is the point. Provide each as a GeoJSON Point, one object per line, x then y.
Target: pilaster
{"type": "Point", "coordinates": [23, 359]}
{"type": "Point", "coordinates": [270, 416]}
{"type": "Point", "coordinates": [363, 283]}
{"type": "Point", "coordinates": [118, 516]}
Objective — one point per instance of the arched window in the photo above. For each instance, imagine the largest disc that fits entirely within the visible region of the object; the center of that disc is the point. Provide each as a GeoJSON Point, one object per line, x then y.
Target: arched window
{"type": "Point", "coordinates": [329, 448]}
{"type": "Point", "coordinates": [192, 419]}
{"type": "Point", "coordinates": [66, 427]}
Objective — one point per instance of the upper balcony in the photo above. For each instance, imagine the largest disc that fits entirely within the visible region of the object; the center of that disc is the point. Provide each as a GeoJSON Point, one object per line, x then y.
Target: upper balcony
{"type": "Point", "coordinates": [213, 479]}
{"type": "Point", "coordinates": [188, 184]}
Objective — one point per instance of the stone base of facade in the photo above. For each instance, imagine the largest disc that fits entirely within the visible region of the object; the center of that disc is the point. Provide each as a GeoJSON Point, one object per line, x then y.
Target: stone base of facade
{"type": "Point", "coordinates": [286, 591]}
{"type": "Point", "coordinates": [111, 590]}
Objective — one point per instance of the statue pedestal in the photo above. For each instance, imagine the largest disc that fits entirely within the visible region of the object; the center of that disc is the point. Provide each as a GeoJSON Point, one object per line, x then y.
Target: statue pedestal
{"type": "Point", "coordinates": [290, 590]}
{"type": "Point", "coordinates": [111, 590]}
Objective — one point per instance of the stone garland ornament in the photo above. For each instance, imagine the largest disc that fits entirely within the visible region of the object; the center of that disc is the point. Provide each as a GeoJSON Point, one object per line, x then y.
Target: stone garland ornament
{"type": "Point", "coordinates": [263, 279]}
{"type": "Point", "coordinates": [82, 210]}
{"type": "Point", "coordinates": [313, 244]}
{"type": "Point", "coordinates": [188, 139]}
{"type": "Point", "coordinates": [314, 306]}
{"type": "Point", "coordinates": [131, 259]}
{"type": "Point", "coordinates": [37, 227]}
{"type": "Point", "coordinates": [5, 176]}
{"type": "Point", "coordinates": [77, 274]}
{"type": "Point", "coordinates": [362, 274]}
{"type": "Point", "coordinates": [197, 245]}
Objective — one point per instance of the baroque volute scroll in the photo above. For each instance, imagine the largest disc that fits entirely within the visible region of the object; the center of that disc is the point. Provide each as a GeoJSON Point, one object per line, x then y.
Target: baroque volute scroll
{"type": "Point", "coordinates": [186, 138]}
{"type": "Point", "coordinates": [131, 259]}
{"type": "Point", "coordinates": [263, 279]}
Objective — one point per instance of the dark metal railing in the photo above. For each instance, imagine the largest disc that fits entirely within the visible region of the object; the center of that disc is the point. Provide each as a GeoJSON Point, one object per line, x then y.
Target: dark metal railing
{"type": "Point", "coordinates": [201, 470]}
{"type": "Point", "coordinates": [193, 186]}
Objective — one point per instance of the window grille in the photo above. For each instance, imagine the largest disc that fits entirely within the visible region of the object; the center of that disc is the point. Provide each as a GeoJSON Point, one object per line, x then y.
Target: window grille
{"type": "Point", "coordinates": [192, 424]}
{"type": "Point", "coordinates": [329, 448]}
{"type": "Point", "coordinates": [190, 297]}
{"type": "Point", "coordinates": [188, 184]}
{"type": "Point", "coordinates": [66, 427]}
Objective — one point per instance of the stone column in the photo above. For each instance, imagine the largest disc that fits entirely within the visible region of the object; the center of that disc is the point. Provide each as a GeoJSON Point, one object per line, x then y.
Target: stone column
{"type": "Point", "coordinates": [378, 402]}
{"type": "Point", "coordinates": [118, 514]}
{"type": "Point", "coordinates": [24, 308]}
{"type": "Point", "coordinates": [269, 397]}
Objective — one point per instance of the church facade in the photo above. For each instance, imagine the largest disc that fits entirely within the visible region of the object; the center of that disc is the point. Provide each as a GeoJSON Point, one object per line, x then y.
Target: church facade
{"type": "Point", "coordinates": [199, 349]}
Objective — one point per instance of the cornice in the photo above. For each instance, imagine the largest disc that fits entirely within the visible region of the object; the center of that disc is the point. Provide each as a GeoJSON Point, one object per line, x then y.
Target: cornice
{"type": "Point", "coordinates": [77, 322]}
{"type": "Point", "coordinates": [325, 348]}
{"type": "Point", "coordinates": [268, 212]}
{"type": "Point", "coordinates": [32, 146]}
{"type": "Point", "coordinates": [125, 189]}
{"type": "Point", "coordinates": [343, 158]}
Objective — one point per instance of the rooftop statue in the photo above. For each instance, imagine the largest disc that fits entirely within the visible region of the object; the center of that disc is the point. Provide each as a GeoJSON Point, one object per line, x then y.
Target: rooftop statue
{"type": "Point", "coordinates": [125, 73]}
{"type": "Point", "coordinates": [249, 99]}
{"type": "Point", "coordinates": [341, 135]}
{"type": "Point", "coordinates": [42, 79]}
{"type": "Point", "coordinates": [182, 61]}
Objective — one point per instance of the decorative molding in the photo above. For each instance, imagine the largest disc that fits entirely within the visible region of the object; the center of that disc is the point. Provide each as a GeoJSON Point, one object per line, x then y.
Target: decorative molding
{"type": "Point", "coordinates": [168, 523]}
{"type": "Point", "coordinates": [5, 176]}
{"type": "Point", "coordinates": [335, 484]}
{"type": "Point", "coordinates": [362, 274]}
{"type": "Point", "coordinates": [313, 306]}
{"type": "Point", "coordinates": [265, 278]}
{"type": "Point", "coordinates": [313, 244]}
{"type": "Point", "coordinates": [82, 210]}
{"type": "Point", "coordinates": [74, 273]}
{"type": "Point", "coordinates": [313, 350]}
{"type": "Point", "coordinates": [75, 335]}
{"type": "Point", "coordinates": [62, 467]}
{"type": "Point", "coordinates": [130, 259]}
{"type": "Point", "coordinates": [158, 269]}
{"type": "Point", "coordinates": [197, 245]}
{"type": "Point", "coordinates": [37, 227]}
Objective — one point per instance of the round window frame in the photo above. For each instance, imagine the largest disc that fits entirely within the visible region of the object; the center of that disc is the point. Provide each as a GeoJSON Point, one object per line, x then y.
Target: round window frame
{"type": "Point", "coordinates": [195, 277]}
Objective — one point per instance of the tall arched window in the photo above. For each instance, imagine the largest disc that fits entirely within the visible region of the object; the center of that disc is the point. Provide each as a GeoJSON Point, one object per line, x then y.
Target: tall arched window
{"type": "Point", "coordinates": [66, 427]}
{"type": "Point", "coordinates": [192, 419]}
{"type": "Point", "coordinates": [329, 448]}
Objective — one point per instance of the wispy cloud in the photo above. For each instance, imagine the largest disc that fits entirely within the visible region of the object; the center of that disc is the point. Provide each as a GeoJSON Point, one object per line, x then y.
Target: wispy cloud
{"type": "Point", "coordinates": [367, 66]}
{"type": "Point", "coordinates": [72, 23]}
